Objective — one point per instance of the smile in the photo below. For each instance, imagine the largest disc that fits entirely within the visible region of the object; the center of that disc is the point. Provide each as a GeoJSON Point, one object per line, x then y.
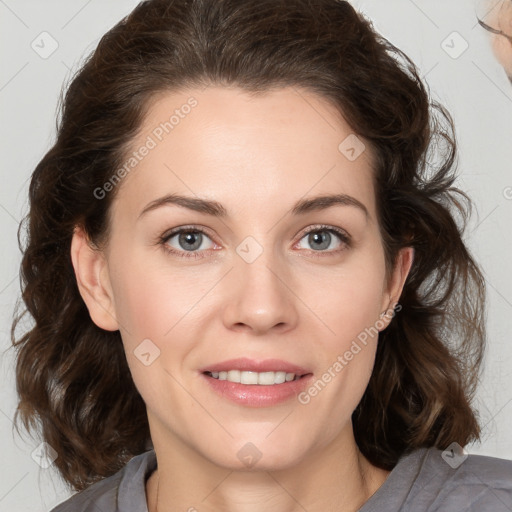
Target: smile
{"type": "Point", "coordinates": [254, 378]}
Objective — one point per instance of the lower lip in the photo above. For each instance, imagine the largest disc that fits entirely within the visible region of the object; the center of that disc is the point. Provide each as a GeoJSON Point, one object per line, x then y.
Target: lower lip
{"type": "Point", "coordinates": [255, 395]}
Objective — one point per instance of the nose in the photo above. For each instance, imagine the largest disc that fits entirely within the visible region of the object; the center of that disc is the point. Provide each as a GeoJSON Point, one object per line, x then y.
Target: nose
{"type": "Point", "coordinates": [260, 297]}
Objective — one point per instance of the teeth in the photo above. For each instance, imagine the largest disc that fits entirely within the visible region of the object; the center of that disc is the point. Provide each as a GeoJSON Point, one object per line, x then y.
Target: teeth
{"type": "Point", "coordinates": [248, 378]}
{"type": "Point", "coordinates": [234, 376]}
{"type": "Point", "coordinates": [267, 378]}
{"type": "Point", "coordinates": [260, 378]}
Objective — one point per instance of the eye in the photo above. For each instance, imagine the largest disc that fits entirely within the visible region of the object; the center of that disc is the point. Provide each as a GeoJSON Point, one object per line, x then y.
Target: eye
{"type": "Point", "coordinates": [186, 242]}
{"type": "Point", "coordinates": [192, 241]}
{"type": "Point", "coordinates": [320, 238]}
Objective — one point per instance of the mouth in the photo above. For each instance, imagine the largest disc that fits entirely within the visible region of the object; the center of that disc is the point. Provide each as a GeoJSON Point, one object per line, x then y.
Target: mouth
{"type": "Point", "coordinates": [254, 383]}
{"type": "Point", "coordinates": [255, 378]}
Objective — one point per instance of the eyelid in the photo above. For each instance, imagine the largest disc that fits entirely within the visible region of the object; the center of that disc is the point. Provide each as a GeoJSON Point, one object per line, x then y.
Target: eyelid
{"type": "Point", "coordinates": [187, 227]}
{"type": "Point", "coordinates": [325, 227]}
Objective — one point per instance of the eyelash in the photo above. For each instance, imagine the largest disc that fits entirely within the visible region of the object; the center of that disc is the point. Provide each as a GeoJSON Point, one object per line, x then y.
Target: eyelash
{"type": "Point", "coordinates": [342, 235]}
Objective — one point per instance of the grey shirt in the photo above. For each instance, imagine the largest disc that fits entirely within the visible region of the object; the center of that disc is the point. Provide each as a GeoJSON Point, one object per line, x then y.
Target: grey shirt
{"type": "Point", "coordinates": [422, 481]}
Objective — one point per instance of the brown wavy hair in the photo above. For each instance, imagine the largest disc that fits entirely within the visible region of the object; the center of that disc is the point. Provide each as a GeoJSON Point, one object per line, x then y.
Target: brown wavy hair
{"type": "Point", "coordinates": [72, 377]}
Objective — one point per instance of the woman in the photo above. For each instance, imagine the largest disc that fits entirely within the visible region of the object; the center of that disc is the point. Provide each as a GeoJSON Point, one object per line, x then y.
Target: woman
{"type": "Point", "coordinates": [250, 287]}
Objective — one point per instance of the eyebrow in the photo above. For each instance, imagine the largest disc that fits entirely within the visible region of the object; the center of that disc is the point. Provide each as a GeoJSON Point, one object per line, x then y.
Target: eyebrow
{"type": "Point", "coordinates": [216, 209]}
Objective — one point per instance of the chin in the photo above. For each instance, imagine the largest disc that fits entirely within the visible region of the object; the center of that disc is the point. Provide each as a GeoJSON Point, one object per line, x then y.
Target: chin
{"type": "Point", "coordinates": [262, 452]}
{"type": "Point", "coordinates": [249, 458]}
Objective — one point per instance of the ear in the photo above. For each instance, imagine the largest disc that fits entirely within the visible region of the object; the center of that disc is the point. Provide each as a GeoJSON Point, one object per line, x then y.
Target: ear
{"type": "Point", "coordinates": [395, 285]}
{"type": "Point", "coordinates": [93, 281]}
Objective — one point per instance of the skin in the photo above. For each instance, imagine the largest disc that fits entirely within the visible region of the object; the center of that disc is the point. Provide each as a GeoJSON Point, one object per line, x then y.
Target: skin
{"type": "Point", "coordinates": [257, 155]}
{"type": "Point", "coordinates": [499, 17]}
{"type": "Point", "coordinates": [502, 49]}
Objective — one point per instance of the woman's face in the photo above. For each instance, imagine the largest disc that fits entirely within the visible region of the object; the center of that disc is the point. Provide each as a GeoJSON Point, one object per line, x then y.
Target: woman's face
{"type": "Point", "coordinates": [247, 291]}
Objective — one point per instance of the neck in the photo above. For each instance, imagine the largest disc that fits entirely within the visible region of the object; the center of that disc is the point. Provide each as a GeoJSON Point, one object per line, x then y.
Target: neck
{"type": "Point", "coordinates": [337, 478]}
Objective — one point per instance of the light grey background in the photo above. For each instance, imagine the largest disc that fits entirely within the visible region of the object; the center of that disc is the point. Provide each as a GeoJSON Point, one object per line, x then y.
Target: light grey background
{"type": "Point", "coordinates": [472, 86]}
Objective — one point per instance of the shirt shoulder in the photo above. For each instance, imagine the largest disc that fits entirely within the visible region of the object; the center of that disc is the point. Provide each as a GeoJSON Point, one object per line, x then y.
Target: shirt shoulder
{"type": "Point", "coordinates": [471, 483]}
{"type": "Point", "coordinates": [432, 480]}
{"type": "Point", "coordinates": [123, 491]}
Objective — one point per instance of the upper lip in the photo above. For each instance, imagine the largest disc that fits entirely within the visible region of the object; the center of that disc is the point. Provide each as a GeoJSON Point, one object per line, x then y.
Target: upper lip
{"type": "Point", "coordinates": [252, 365]}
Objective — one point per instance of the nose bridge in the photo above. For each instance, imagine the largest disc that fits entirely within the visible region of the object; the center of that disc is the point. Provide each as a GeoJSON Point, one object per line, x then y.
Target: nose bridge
{"type": "Point", "coordinates": [259, 296]}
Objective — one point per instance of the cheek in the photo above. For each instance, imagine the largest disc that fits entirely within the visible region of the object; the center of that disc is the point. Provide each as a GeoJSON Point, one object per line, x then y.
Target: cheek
{"type": "Point", "coordinates": [151, 298]}
{"type": "Point", "coordinates": [350, 299]}
{"type": "Point", "coordinates": [142, 306]}
{"type": "Point", "coordinates": [351, 305]}
{"type": "Point", "coordinates": [151, 309]}
{"type": "Point", "coordinates": [347, 354]}
{"type": "Point", "coordinates": [158, 308]}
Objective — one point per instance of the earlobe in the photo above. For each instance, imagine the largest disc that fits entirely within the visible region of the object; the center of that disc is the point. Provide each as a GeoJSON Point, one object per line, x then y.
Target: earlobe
{"type": "Point", "coordinates": [402, 268]}
{"type": "Point", "coordinates": [91, 274]}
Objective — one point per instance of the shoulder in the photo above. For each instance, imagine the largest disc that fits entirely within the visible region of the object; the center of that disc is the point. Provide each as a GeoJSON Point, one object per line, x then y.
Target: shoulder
{"type": "Point", "coordinates": [433, 480]}
{"type": "Point", "coordinates": [453, 480]}
{"type": "Point", "coordinates": [123, 491]}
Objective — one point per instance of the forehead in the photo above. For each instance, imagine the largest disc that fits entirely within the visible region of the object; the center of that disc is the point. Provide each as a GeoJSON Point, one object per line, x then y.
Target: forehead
{"type": "Point", "coordinates": [249, 152]}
